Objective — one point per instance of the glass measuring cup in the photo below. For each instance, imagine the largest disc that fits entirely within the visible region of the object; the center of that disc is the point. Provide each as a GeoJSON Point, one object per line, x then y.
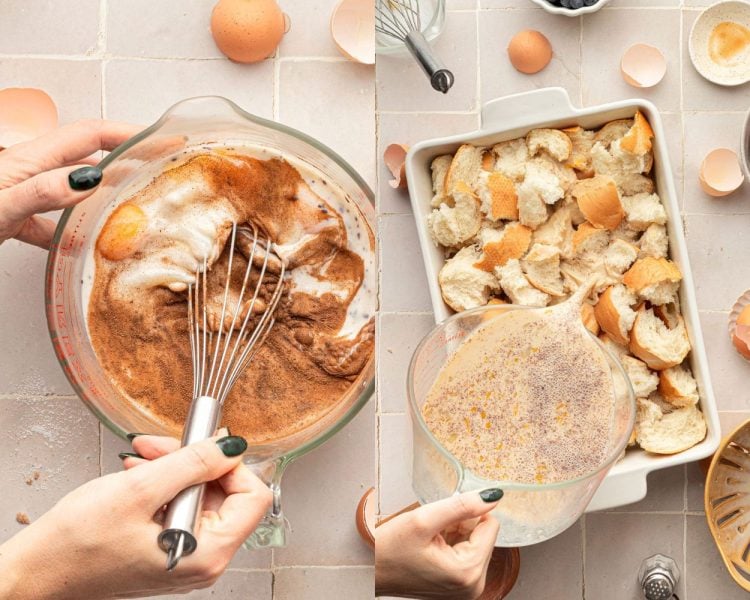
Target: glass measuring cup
{"type": "Point", "coordinates": [190, 124]}
{"type": "Point", "coordinates": [528, 513]}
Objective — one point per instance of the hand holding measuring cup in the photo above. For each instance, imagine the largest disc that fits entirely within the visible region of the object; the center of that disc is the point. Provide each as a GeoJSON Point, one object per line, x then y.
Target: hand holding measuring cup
{"type": "Point", "coordinates": [439, 550]}
{"type": "Point", "coordinates": [52, 172]}
{"type": "Point", "coordinates": [99, 541]}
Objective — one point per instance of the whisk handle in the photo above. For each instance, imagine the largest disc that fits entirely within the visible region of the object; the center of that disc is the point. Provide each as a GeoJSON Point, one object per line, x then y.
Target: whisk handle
{"type": "Point", "coordinates": [182, 513]}
{"type": "Point", "coordinates": [440, 77]}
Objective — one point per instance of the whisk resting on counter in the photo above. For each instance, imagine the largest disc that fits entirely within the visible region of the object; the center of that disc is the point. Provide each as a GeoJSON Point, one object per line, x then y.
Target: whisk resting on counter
{"type": "Point", "coordinates": [218, 359]}
{"type": "Point", "coordinates": [402, 21]}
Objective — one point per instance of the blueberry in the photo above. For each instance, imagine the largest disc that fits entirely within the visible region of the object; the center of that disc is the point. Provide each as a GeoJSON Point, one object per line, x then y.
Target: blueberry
{"type": "Point", "coordinates": [590, 2]}
{"type": "Point", "coordinates": [576, 4]}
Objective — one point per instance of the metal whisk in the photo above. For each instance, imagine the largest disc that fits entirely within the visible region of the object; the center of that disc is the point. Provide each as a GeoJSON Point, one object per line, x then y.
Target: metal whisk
{"type": "Point", "coordinates": [219, 358]}
{"type": "Point", "coordinates": [401, 20]}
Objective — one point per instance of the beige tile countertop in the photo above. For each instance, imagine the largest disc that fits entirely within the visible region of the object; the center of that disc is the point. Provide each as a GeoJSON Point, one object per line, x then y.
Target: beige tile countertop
{"type": "Point", "coordinates": [130, 60]}
{"type": "Point", "coordinates": [598, 558]}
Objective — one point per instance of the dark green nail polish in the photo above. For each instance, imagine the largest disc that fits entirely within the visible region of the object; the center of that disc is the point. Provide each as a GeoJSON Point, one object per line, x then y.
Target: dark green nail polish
{"type": "Point", "coordinates": [132, 436]}
{"type": "Point", "coordinates": [85, 178]}
{"type": "Point", "coordinates": [124, 455]}
{"type": "Point", "coordinates": [232, 445]}
{"type": "Point", "coordinates": [491, 495]}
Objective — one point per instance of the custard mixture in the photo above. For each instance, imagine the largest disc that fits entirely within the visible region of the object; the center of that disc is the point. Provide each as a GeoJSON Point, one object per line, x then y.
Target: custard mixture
{"type": "Point", "coordinates": [156, 239]}
{"type": "Point", "coordinates": [527, 398]}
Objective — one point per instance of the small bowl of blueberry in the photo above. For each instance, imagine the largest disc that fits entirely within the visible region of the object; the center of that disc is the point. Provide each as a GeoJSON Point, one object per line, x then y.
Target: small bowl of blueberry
{"type": "Point", "coordinates": [571, 8]}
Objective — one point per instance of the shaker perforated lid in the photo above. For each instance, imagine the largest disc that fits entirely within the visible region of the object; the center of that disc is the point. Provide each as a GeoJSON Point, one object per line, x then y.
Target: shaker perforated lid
{"type": "Point", "coordinates": [658, 577]}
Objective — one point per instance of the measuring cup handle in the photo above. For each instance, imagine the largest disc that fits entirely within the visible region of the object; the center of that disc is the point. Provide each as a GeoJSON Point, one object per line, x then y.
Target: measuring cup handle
{"type": "Point", "coordinates": [274, 530]}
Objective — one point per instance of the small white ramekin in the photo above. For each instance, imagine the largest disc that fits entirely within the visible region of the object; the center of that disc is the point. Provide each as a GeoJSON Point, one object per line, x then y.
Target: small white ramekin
{"type": "Point", "coordinates": [568, 12]}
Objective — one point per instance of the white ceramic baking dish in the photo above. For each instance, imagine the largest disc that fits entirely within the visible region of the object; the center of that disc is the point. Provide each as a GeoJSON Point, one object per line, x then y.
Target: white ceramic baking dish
{"type": "Point", "coordinates": [512, 117]}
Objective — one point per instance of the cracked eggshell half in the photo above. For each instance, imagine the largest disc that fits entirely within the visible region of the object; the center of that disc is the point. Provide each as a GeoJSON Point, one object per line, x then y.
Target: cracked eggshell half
{"type": "Point", "coordinates": [25, 114]}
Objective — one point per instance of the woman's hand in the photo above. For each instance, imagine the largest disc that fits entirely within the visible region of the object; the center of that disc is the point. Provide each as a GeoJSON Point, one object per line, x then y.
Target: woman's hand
{"type": "Point", "coordinates": [99, 541]}
{"type": "Point", "coordinates": [439, 550]}
{"type": "Point", "coordinates": [52, 172]}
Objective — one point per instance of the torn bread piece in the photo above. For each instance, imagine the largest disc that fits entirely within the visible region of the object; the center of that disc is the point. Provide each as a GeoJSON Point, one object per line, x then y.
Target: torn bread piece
{"type": "Point", "coordinates": [613, 131]}
{"type": "Point", "coordinates": [668, 433]}
{"type": "Point", "coordinates": [678, 387]}
{"type": "Point", "coordinates": [532, 210]}
{"type": "Point", "coordinates": [638, 140]}
{"type": "Point", "coordinates": [589, 240]}
{"type": "Point", "coordinates": [619, 256]}
{"type": "Point", "coordinates": [654, 242]}
{"type": "Point", "coordinates": [643, 379]}
{"type": "Point", "coordinates": [552, 141]}
{"type": "Point", "coordinates": [517, 287]}
{"type": "Point", "coordinates": [588, 318]}
{"type": "Point", "coordinates": [465, 169]}
{"type": "Point", "coordinates": [628, 182]}
{"type": "Point", "coordinates": [498, 196]}
{"type": "Point", "coordinates": [614, 313]}
{"type": "Point", "coordinates": [656, 344]}
{"type": "Point", "coordinates": [617, 349]}
{"type": "Point", "coordinates": [654, 279]}
{"type": "Point", "coordinates": [545, 180]}
{"type": "Point", "coordinates": [439, 169]}
{"type": "Point", "coordinates": [463, 286]}
{"type": "Point", "coordinates": [557, 231]}
{"type": "Point", "coordinates": [599, 201]}
{"type": "Point", "coordinates": [511, 158]}
{"type": "Point", "coordinates": [454, 225]}
{"type": "Point", "coordinates": [624, 232]}
{"type": "Point", "coordinates": [501, 245]}
{"type": "Point", "coordinates": [643, 210]}
{"type": "Point", "coordinates": [580, 157]}
{"type": "Point", "coordinates": [542, 269]}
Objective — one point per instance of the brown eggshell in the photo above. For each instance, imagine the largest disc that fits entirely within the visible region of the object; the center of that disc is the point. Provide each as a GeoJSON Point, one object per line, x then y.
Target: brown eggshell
{"type": "Point", "coordinates": [529, 51]}
{"type": "Point", "coordinates": [395, 159]}
{"type": "Point", "coordinates": [353, 30]}
{"type": "Point", "coordinates": [25, 113]}
{"type": "Point", "coordinates": [643, 66]}
{"type": "Point", "coordinates": [247, 31]}
{"type": "Point", "coordinates": [720, 173]}
{"type": "Point", "coordinates": [366, 517]}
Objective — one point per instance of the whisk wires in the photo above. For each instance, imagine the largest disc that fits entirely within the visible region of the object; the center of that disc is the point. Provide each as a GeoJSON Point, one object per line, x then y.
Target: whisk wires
{"type": "Point", "coordinates": [218, 359]}
{"type": "Point", "coordinates": [397, 18]}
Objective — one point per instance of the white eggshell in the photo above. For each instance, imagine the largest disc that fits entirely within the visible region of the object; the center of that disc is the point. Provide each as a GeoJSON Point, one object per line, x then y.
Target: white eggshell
{"type": "Point", "coordinates": [720, 173]}
{"type": "Point", "coordinates": [395, 159]}
{"type": "Point", "coordinates": [25, 113]}
{"type": "Point", "coordinates": [643, 66]}
{"type": "Point", "coordinates": [353, 30]}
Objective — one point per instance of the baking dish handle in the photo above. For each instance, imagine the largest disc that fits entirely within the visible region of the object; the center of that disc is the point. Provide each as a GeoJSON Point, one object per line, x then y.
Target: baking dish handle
{"type": "Point", "coordinates": [618, 489]}
{"type": "Point", "coordinates": [519, 110]}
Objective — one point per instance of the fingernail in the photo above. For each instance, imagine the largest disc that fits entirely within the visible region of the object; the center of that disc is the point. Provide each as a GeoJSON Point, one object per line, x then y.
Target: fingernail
{"type": "Point", "coordinates": [124, 455]}
{"type": "Point", "coordinates": [232, 445]}
{"type": "Point", "coordinates": [491, 495]}
{"type": "Point", "coordinates": [132, 436]}
{"type": "Point", "coordinates": [85, 178]}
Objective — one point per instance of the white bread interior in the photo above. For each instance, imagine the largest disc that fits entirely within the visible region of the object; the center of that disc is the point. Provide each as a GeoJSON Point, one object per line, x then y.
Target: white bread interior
{"type": "Point", "coordinates": [643, 210]}
{"type": "Point", "coordinates": [654, 242]}
{"type": "Point", "coordinates": [511, 158]}
{"type": "Point", "coordinates": [453, 225]}
{"type": "Point", "coordinates": [614, 313]}
{"type": "Point", "coordinates": [643, 380]}
{"type": "Point", "coordinates": [465, 168]}
{"type": "Point", "coordinates": [552, 141]}
{"type": "Point", "coordinates": [517, 287]}
{"type": "Point", "coordinates": [678, 387]}
{"type": "Point", "coordinates": [619, 256]}
{"type": "Point", "coordinates": [580, 157]}
{"type": "Point", "coordinates": [659, 346]}
{"type": "Point", "coordinates": [653, 279]}
{"type": "Point", "coordinates": [439, 169]}
{"type": "Point", "coordinates": [542, 269]}
{"type": "Point", "coordinates": [613, 131]}
{"type": "Point", "coordinates": [668, 433]}
{"type": "Point", "coordinates": [463, 286]}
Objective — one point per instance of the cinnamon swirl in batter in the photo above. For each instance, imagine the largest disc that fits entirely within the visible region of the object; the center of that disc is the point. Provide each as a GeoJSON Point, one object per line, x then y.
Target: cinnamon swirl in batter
{"type": "Point", "coordinates": [151, 246]}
